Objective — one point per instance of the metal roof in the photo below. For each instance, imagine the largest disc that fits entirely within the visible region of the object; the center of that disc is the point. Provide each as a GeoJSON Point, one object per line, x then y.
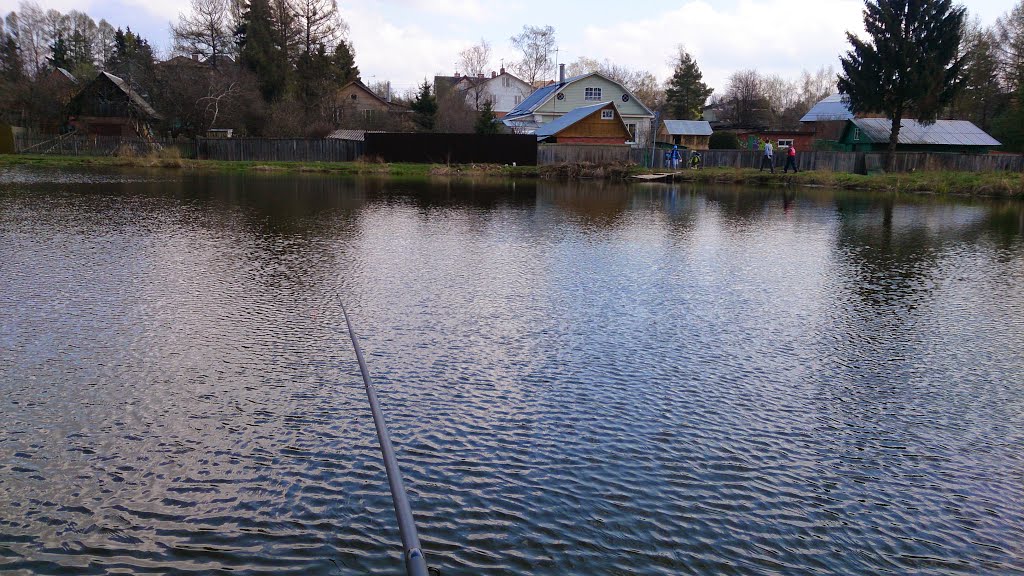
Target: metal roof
{"type": "Point", "coordinates": [133, 95]}
{"type": "Point", "coordinates": [831, 108]}
{"type": "Point", "coordinates": [533, 100]}
{"type": "Point", "coordinates": [944, 132]}
{"type": "Point", "coordinates": [570, 118]}
{"type": "Point", "coordinates": [688, 127]}
{"type": "Point", "coordinates": [541, 95]}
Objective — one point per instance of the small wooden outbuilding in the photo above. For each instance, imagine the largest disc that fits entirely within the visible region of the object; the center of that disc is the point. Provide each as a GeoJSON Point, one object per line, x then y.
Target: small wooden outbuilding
{"type": "Point", "coordinates": [692, 134]}
{"type": "Point", "coordinates": [596, 124]}
{"type": "Point", "coordinates": [109, 106]}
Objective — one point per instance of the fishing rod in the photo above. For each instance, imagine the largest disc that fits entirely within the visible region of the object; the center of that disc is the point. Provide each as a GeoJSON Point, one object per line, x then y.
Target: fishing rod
{"type": "Point", "coordinates": [415, 562]}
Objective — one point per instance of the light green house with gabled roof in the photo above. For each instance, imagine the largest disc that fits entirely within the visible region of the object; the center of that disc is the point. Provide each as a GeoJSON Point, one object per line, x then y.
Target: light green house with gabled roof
{"type": "Point", "coordinates": [557, 99]}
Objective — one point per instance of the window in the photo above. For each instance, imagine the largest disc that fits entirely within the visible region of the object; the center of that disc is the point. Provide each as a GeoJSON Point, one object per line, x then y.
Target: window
{"type": "Point", "coordinates": [856, 133]}
{"type": "Point", "coordinates": [632, 132]}
{"type": "Point", "coordinates": [506, 82]}
{"type": "Point", "coordinates": [785, 143]}
{"type": "Point", "coordinates": [607, 114]}
{"type": "Point", "coordinates": [519, 100]}
{"type": "Point", "coordinates": [592, 94]}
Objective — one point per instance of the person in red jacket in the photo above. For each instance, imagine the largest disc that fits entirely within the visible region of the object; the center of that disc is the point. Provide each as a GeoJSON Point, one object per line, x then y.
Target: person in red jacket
{"type": "Point", "coordinates": [790, 159]}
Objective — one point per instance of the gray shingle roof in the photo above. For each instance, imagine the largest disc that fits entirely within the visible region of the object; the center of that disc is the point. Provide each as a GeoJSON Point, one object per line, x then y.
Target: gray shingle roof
{"type": "Point", "coordinates": [688, 127]}
{"type": "Point", "coordinates": [831, 108]}
{"type": "Point", "coordinates": [943, 132]}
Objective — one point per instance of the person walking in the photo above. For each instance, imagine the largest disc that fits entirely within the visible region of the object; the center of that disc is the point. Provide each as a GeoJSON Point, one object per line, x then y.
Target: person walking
{"type": "Point", "coordinates": [790, 159]}
{"type": "Point", "coordinates": [767, 157]}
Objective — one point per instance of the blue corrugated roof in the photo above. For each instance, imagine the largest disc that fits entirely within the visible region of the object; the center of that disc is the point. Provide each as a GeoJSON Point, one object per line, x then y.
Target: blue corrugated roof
{"type": "Point", "coordinates": [831, 108]}
{"type": "Point", "coordinates": [570, 118]}
{"type": "Point", "coordinates": [943, 132]}
{"type": "Point", "coordinates": [539, 96]}
{"type": "Point", "coordinates": [533, 100]}
{"type": "Point", "coordinates": [688, 127]}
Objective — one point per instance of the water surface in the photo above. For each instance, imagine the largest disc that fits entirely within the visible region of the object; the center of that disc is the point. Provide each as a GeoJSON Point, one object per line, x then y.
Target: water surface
{"type": "Point", "coordinates": [580, 378]}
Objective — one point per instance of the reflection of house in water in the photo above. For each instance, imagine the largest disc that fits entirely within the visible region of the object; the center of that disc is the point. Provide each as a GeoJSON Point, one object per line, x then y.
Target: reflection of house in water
{"type": "Point", "coordinates": [109, 106]}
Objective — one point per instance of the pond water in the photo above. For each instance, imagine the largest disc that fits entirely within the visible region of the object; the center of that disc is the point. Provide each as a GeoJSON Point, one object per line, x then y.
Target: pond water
{"type": "Point", "coordinates": [579, 378]}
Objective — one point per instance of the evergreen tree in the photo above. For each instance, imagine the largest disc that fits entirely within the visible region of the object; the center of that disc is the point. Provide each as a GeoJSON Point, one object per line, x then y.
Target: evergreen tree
{"type": "Point", "coordinates": [686, 93]}
{"type": "Point", "coordinates": [12, 66]}
{"type": "Point", "coordinates": [911, 63]}
{"type": "Point", "coordinates": [59, 53]}
{"type": "Point", "coordinates": [424, 108]}
{"type": "Point", "coordinates": [343, 64]}
{"type": "Point", "coordinates": [486, 123]}
{"type": "Point", "coordinates": [260, 50]}
{"type": "Point", "coordinates": [1008, 128]}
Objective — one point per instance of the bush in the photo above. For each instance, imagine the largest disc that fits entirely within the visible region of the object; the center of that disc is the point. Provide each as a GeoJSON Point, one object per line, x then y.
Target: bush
{"type": "Point", "coordinates": [724, 141]}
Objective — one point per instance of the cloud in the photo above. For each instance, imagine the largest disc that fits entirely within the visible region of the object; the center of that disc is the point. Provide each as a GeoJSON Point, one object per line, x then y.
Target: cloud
{"type": "Point", "coordinates": [403, 54]}
{"type": "Point", "coordinates": [773, 36]}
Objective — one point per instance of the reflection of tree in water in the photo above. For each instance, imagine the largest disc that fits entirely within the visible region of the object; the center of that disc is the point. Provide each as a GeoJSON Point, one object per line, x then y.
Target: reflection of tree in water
{"type": "Point", "coordinates": [896, 249]}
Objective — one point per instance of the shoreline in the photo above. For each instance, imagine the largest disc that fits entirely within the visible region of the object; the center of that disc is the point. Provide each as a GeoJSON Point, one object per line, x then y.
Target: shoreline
{"type": "Point", "coordinates": [992, 184]}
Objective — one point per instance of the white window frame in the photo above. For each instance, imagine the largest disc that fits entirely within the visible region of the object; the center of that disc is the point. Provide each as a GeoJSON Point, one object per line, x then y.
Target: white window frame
{"type": "Point", "coordinates": [631, 127]}
{"type": "Point", "coordinates": [592, 93]}
{"type": "Point", "coordinates": [607, 114]}
{"type": "Point", "coordinates": [856, 134]}
{"type": "Point", "coordinates": [785, 142]}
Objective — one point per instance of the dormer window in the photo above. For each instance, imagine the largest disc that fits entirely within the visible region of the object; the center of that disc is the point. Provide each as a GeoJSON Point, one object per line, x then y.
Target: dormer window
{"type": "Point", "coordinates": [592, 94]}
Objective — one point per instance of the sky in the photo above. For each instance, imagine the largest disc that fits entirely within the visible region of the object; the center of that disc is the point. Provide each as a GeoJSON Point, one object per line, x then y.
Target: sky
{"type": "Point", "coordinates": [407, 41]}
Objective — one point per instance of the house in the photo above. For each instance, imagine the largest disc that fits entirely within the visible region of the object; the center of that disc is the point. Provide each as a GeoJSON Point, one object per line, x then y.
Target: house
{"type": "Point", "coordinates": [595, 124]}
{"type": "Point", "coordinates": [556, 100]}
{"type": "Point", "coordinates": [692, 134]}
{"type": "Point", "coordinates": [358, 107]}
{"type": "Point", "coordinates": [503, 90]}
{"type": "Point", "coordinates": [751, 139]}
{"type": "Point", "coordinates": [872, 135]}
{"type": "Point", "coordinates": [109, 106]}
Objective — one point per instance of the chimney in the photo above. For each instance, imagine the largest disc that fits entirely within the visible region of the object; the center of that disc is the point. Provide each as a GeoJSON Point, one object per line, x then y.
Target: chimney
{"type": "Point", "coordinates": [195, 56]}
{"type": "Point", "coordinates": [502, 70]}
{"type": "Point", "coordinates": [493, 73]}
{"type": "Point", "coordinates": [480, 75]}
{"type": "Point", "coordinates": [389, 91]}
{"type": "Point", "coordinates": [561, 73]}
{"type": "Point", "coordinates": [456, 74]}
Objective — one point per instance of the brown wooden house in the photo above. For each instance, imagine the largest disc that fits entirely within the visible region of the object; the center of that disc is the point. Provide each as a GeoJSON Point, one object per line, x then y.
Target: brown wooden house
{"type": "Point", "coordinates": [358, 107]}
{"type": "Point", "coordinates": [109, 106]}
{"type": "Point", "coordinates": [594, 124]}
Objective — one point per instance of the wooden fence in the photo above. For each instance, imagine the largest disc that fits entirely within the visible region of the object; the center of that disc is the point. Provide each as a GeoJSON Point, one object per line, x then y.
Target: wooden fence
{"type": "Point", "coordinates": [85, 145]}
{"type": "Point", "coordinates": [848, 162]}
{"type": "Point", "coordinates": [280, 149]}
{"type": "Point", "coordinates": [577, 153]}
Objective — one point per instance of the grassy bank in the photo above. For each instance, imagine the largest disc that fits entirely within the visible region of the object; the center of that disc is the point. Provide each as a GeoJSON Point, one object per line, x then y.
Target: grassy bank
{"type": "Point", "coordinates": [358, 168]}
{"type": "Point", "coordinates": [1002, 184]}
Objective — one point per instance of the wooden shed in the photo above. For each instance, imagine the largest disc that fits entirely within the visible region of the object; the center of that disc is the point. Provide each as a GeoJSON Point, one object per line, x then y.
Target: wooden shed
{"type": "Point", "coordinates": [692, 134]}
{"type": "Point", "coordinates": [595, 124]}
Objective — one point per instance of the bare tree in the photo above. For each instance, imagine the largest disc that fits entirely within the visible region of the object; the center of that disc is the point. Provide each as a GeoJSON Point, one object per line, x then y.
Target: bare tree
{"type": "Point", "coordinates": [104, 42]}
{"type": "Point", "coordinates": [204, 30]}
{"type": "Point", "coordinates": [474, 62]}
{"type": "Point", "coordinates": [744, 100]}
{"type": "Point", "coordinates": [30, 21]}
{"type": "Point", "coordinates": [1009, 30]}
{"type": "Point", "coordinates": [537, 43]}
{"type": "Point", "coordinates": [319, 23]}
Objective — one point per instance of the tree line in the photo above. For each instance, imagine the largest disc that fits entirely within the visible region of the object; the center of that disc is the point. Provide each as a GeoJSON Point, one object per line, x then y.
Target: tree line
{"type": "Point", "coordinates": [273, 68]}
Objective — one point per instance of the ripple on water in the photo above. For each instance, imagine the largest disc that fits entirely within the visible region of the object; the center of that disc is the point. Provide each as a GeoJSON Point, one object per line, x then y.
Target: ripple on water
{"type": "Point", "coordinates": [579, 381]}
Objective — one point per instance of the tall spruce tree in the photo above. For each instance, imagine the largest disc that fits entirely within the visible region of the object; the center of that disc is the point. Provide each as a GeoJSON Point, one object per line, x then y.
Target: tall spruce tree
{"type": "Point", "coordinates": [910, 63]}
{"type": "Point", "coordinates": [261, 51]}
{"type": "Point", "coordinates": [686, 93]}
{"type": "Point", "coordinates": [424, 108]}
